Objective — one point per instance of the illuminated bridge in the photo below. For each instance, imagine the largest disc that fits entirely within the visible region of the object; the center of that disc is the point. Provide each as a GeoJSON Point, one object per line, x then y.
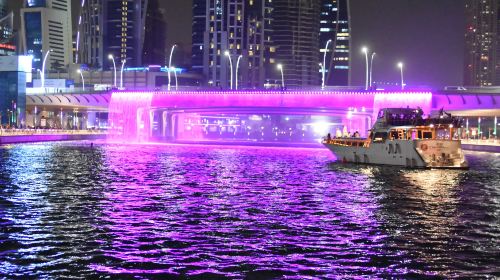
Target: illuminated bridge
{"type": "Point", "coordinates": [163, 114]}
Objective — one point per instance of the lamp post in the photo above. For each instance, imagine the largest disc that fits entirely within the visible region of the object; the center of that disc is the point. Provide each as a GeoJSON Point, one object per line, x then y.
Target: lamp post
{"type": "Point", "coordinates": [170, 64]}
{"type": "Point", "coordinates": [114, 67]}
{"type": "Point", "coordinates": [81, 75]}
{"type": "Point", "coordinates": [43, 67]}
{"type": "Point", "coordinates": [121, 73]}
{"type": "Point", "coordinates": [175, 75]}
{"type": "Point", "coordinates": [400, 66]}
{"type": "Point", "coordinates": [365, 51]}
{"type": "Point", "coordinates": [323, 68]}
{"type": "Point", "coordinates": [371, 69]}
{"type": "Point", "coordinates": [226, 53]}
{"type": "Point", "coordinates": [280, 67]}
{"type": "Point", "coordinates": [237, 65]}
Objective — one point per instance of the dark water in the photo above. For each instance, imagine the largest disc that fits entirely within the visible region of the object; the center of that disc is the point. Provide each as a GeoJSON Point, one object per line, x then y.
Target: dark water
{"type": "Point", "coordinates": [197, 212]}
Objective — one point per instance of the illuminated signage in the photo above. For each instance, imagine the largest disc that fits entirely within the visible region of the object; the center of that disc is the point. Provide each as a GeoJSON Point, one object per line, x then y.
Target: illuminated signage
{"type": "Point", "coordinates": [8, 47]}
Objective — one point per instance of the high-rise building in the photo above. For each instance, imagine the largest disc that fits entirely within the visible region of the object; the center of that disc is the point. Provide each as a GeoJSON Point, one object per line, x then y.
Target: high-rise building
{"type": "Point", "coordinates": [112, 27]}
{"type": "Point", "coordinates": [155, 35]}
{"type": "Point", "coordinates": [235, 27]}
{"type": "Point", "coordinates": [198, 35]}
{"type": "Point", "coordinates": [259, 49]}
{"type": "Point", "coordinates": [334, 26]}
{"type": "Point", "coordinates": [296, 36]}
{"type": "Point", "coordinates": [3, 8]}
{"type": "Point", "coordinates": [46, 26]}
{"type": "Point", "coordinates": [481, 42]}
{"type": "Point", "coordinates": [7, 47]}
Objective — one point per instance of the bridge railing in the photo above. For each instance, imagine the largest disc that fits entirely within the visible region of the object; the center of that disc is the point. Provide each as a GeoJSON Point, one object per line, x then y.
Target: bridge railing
{"type": "Point", "coordinates": [489, 142]}
{"type": "Point", "coordinates": [35, 91]}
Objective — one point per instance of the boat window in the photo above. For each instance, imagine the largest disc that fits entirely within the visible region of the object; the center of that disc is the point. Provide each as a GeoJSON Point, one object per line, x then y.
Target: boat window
{"type": "Point", "coordinates": [394, 134]}
{"type": "Point", "coordinates": [379, 136]}
{"type": "Point", "coordinates": [381, 114]}
{"type": "Point", "coordinates": [427, 134]}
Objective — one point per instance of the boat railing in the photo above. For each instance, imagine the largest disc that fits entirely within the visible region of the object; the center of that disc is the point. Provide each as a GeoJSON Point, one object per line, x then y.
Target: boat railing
{"type": "Point", "coordinates": [348, 142]}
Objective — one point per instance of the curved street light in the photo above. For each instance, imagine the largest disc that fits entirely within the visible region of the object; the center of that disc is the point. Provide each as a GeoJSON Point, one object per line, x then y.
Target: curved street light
{"type": "Point", "coordinates": [280, 67]}
{"type": "Point", "coordinates": [365, 51]}
{"type": "Point", "coordinates": [226, 53]}
{"type": "Point", "coordinates": [323, 67]}
{"type": "Point", "coordinates": [83, 80]}
{"type": "Point", "coordinates": [114, 67]}
{"type": "Point", "coordinates": [43, 67]}
{"type": "Point", "coordinates": [170, 64]}
{"type": "Point", "coordinates": [371, 68]}
{"type": "Point", "coordinates": [400, 66]}
{"type": "Point", "coordinates": [237, 65]}
{"type": "Point", "coordinates": [121, 73]}
{"type": "Point", "coordinates": [175, 75]}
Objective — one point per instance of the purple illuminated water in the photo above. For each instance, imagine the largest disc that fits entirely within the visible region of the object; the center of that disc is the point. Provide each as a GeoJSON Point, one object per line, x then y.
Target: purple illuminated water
{"type": "Point", "coordinates": [176, 211]}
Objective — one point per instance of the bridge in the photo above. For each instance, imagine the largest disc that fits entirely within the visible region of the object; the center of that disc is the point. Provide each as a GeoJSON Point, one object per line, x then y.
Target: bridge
{"type": "Point", "coordinates": [137, 112]}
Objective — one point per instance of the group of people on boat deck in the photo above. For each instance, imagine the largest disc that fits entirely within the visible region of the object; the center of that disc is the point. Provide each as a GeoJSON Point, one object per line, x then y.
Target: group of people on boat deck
{"type": "Point", "coordinates": [339, 134]}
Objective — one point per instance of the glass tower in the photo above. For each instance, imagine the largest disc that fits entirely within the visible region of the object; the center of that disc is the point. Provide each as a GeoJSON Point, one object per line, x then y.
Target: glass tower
{"type": "Point", "coordinates": [334, 26]}
{"type": "Point", "coordinates": [481, 42]}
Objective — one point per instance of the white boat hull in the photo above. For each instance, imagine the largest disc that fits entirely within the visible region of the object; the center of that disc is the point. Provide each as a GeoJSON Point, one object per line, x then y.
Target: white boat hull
{"type": "Point", "coordinates": [408, 153]}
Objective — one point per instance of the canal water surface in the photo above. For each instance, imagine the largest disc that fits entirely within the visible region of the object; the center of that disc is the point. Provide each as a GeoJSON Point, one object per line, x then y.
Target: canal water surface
{"type": "Point", "coordinates": [69, 210]}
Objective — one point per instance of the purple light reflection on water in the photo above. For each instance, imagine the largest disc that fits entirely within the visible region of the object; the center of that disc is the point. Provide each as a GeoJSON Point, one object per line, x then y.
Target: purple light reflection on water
{"type": "Point", "coordinates": [176, 211]}
{"type": "Point", "coordinates": [213, 211]}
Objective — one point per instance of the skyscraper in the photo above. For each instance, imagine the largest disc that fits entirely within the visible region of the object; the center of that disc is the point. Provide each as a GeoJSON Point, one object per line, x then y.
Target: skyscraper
{"type": "Point", "coordinates": [296, 36]}
{"type": "Point", "coordinates": [6, 30]}
{"type": "Point", "coordinates": [334, 26]}
{"type": "Point", "coordinates": [481, 42]}
{"type": "Point", "coordinates": [259, 49]}
{"type": "Point", "coordinates": [112, 27]}
{"type": "Point", "coordinates": [237, 27]}
{"type": "Point", "coordinates": [46, 25]}
{"type": "Point", "coordinates": [155, 35]}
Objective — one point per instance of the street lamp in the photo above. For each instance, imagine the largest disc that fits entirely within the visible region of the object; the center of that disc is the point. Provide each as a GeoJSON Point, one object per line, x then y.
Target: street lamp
{"type": "Point", "coordinates": [121, 73]}
{"type": "Point", "coordinates": [114, 67]}
{"type": "Point", "coordinates": [175, 74]}
{"type": "Point", "coordinates": [43, 67]}
{"type": "Point", "coordinates": [400, 66]}
{"type": "Point", "coordinates": [280, 67]}
{"type": "Point", "coordinates": [170, 64]}
{"type": "Point", "coordinates": [226, 53]}
{"type": "Point", "coordinates": [81, 75]}
{"type": "Point", "coordinates": [323, 68]}
{"type": "Point", "coordinates": [237, 65]}
{"type": "Point", "coordinates": [365, 51]}
{"type": "Point", "coordinates": [371, 68]}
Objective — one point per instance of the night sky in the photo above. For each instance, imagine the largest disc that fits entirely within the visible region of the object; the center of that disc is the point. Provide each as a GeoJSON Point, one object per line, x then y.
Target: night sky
{"type": "Point", "coordinates": [427, 35]}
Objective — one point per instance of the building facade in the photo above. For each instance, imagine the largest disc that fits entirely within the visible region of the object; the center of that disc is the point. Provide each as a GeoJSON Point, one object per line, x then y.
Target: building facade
{"type": "Point", "coordinates": [112, 27]}
{"type": "Point", "coordinates": [481, 42]}
{"type": "Point", "coordinates": [7, 45]}
{"type": "Point", "coordinates": [14, 72]}
{"type": "Point", "coordinates": [296, 37]}
{"type": "Point", "coordinates": [334, 26]}
{"type": "Point", "coordinates": [155, 35]}
{"type": "Point", "coordinates": [238, 28]}
{"type": "Point", "coordinates": [46, 26]}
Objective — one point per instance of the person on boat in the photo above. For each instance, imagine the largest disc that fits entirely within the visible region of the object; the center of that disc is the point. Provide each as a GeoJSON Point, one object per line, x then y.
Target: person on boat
{"type": "Point", "coordinates": [338, 133]}
{"type": "Point", "coordinates": [328, 137]}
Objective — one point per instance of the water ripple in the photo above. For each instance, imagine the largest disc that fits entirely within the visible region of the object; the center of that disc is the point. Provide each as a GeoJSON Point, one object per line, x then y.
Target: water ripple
{"type": "Point", "coordinates": [208, 212]}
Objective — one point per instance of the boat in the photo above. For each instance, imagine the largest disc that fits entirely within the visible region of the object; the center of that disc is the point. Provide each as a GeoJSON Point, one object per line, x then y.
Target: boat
{"type": "Point", "coordinates": [403, 137]}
